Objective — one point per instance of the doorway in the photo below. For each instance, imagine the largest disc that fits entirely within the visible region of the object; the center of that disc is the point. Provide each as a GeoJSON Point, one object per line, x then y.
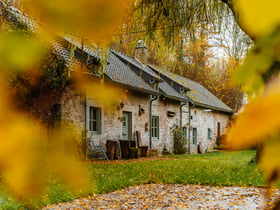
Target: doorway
{"type": "Point", "coordinates": [127, 126]}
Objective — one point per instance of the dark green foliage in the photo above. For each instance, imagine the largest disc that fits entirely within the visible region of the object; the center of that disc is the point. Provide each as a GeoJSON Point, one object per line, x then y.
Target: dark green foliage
{"type": "Point", "coordinates": [37, 90]}
{"type": "Point", "coordinates": [179, 141]}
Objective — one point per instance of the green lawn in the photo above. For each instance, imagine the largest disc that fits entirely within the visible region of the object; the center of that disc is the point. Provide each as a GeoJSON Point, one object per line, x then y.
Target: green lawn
{"type": "Point", "coordinates": [220, 169]}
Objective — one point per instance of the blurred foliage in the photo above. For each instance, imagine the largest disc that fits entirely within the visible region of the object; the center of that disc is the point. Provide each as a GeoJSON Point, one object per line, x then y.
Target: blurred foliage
{"type": "Point", "coordinates": [259, 74]}
{"type": "Point", "coordinates": [19, 51]}
{"type": "Point", "coordinates": [35, 90]}
{"type": "Point", "coordinates": [249, 14]}
{"type": "Point", "coordinates": [96, 20]}
{"type": "Point", "coordinates": [26, 155]}
{"type": "Point", "coordinates": [33, 79]}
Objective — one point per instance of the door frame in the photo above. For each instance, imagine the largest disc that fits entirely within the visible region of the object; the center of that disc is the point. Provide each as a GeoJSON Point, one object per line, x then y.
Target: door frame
{"type": "Point", "coordinates": [129, 125]}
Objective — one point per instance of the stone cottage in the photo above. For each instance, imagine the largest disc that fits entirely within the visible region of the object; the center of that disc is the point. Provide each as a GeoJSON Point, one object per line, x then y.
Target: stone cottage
{"type": "Point", "coordinates": [205, 117]}
{"type": "Point", "coordinates": [151, 101]}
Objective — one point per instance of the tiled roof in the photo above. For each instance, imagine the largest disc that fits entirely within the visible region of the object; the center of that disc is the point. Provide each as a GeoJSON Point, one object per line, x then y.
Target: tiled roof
{"type": "Point", "coordinates": [91, 51]}
{"type": "Point", "coordinates": [199, 94]}
{"type": "Point", "coordinates": [22, 18]}
{"type": "Point", "coordinates": [170, 92]}
{"type": "Point", "coordinates": [137, 64]}
{"type": "Point", "coordinates": [33, 26]}
{"type": "Point", "coordinates": [120, 73]}
{"type": "Point", "coordinates": [71, 62]}
{"type": "Point", "coordinates": [202, 96]}
{"type": "Point", "coordinates": [116, 70]}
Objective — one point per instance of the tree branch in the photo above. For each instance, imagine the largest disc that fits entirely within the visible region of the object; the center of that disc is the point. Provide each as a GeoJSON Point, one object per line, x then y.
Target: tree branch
{"type": "Point", "coordinates": [235, 14]}
{"type": "Point", "coordinates": [165, 12]}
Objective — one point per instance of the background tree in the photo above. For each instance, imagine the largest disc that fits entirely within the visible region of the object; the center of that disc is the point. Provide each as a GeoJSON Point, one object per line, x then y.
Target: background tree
{"type": "Point", "coordinates": [199, 40]}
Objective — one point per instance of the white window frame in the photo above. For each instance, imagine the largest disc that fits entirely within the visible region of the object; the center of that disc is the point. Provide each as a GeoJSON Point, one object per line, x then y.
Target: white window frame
{"type": "Point", "coordinates": [194, 143]}
{"type": "Point", "coordinates": [97, 120]}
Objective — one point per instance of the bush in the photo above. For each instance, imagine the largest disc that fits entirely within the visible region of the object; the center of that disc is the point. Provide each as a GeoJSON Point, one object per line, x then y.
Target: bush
{"type": "Point", "coordinates": [179, 141]}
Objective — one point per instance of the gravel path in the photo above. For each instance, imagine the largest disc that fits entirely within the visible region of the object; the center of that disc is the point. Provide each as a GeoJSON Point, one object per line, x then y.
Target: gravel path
{"type": "Point", "coordinates": [158, 196]}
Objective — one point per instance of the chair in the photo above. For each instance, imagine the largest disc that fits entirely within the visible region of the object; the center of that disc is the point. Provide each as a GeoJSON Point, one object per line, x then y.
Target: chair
{"type": "Point", "coordinates": [143, 149]}
{"type": "Point", "coordinates": [98, 149]}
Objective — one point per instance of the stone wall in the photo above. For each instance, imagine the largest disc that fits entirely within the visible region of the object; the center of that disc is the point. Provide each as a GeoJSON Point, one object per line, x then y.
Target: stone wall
{"type": "Point", "coordinates": [202, 119]}
{"type": "Point", "coordinates": [140, 121]}
{"type": "Point", "coordinates": [73, 111]}
{"type": "Point", "coordinates": [73, 108]}
{"type": "Point", "coordinates": [160, 108]}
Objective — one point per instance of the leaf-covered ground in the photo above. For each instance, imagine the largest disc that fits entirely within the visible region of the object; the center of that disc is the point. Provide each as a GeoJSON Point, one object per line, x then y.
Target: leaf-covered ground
{"type": "Point", "coordinates": [159, 196]}
{"type": "Point", "coordinates": [228, 169]}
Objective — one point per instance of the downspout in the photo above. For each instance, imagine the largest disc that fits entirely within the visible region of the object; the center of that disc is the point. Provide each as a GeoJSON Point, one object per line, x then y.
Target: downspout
{"type": "Point", "coordinates": [152, 98]}
{"type": "Point", "coordinates": [190, 115]}
{"type": "Point", "coordinates": [86, 117]}
{"type": "Point", "coordinates": [181, 113]}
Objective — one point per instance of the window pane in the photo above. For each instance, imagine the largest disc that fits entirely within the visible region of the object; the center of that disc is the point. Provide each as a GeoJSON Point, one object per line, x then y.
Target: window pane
{"type": "Point", "coordinates": [194, 136]}
{"type": "Point", "coordinates": [90, 113]}
{"type": "Point", "coordinates": [94, 126]}
{"type": "Point", "coordinates": [94, 114]}
{"type": "Point", "coordinates": [90, 125]}
{"type": "Point", "coordinates": [155, 127]}
{"type": "Point", "coordinates": [94, 119]}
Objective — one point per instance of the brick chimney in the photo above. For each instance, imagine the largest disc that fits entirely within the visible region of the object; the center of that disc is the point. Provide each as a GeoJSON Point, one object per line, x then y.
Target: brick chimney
{"type": "Point", "coordinates": [141, 52]}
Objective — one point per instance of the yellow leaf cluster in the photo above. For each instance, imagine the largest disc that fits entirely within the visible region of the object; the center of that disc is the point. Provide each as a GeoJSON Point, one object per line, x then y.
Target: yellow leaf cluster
{"type": "Point", "coordinates": [27, 156]}
{"type": "Point", "coordinates": [259, 120]}
{"type": "Point", "coordinates": [259, 123]}
{"type": "Point", "coordinates": [19, 51]}
{"type": "Point", "coordinates": [95, 19]}
{"type": "Point", "coordinates": [270, 160]}
{"type": "Point", "coordinates": [107, 95]}
{"type": "Point", "coordinates": [258, 17]}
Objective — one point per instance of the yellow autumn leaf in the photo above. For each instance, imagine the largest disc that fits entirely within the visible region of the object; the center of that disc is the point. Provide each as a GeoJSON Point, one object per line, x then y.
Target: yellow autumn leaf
{"type": "Point", "coordinates": [106, 94]}
{"type": "Point", "coordinates": [95, 19]}
{"type": "Point", "coordinates": [28, 155]}
{"type": "Point", "coordinates": [270, 159]}
{"type": "Point", "coordinates": [258, 17]}
{"type": "Point", "coordinates": [19, 51]}
{"type": "Point", "coordinates": [259, 119]}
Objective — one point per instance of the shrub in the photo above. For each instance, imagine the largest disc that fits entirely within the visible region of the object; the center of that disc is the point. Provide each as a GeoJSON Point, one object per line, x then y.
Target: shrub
{"type": "Point", "coordinates": [179, 141]}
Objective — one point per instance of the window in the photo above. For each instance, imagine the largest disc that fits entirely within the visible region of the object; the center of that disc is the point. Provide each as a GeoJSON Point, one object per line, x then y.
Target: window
{"type": "Point", "coordinates": [210, 134]}
{"type": "Point", "coordinates": [155, 127]}
{"type": "Point", "coordinates": [194, 135]}
{"type": "Point", "coordinates": [95, 120]}
{"type": "Point", "coordinates": [184, 134]}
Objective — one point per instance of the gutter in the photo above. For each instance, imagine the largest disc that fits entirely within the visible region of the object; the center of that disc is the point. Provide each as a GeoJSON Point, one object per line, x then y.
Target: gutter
{"type": "Point", "coordinates": [189, 134]}
{"type": "Point", "coordinates": [181, 113]}
{"type": "Point", "coordinates": [86, 115]}
{"type": "Point", "coordinates": [214, 108]}
{"type": "Point", "coordinates": [152, 98]}
{"type": "Point", "coordinates": [138, 89]}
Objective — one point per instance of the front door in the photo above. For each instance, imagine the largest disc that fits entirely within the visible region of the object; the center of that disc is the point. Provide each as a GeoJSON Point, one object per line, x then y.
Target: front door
{"type": "Point", "coordinates": [125, 126]}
